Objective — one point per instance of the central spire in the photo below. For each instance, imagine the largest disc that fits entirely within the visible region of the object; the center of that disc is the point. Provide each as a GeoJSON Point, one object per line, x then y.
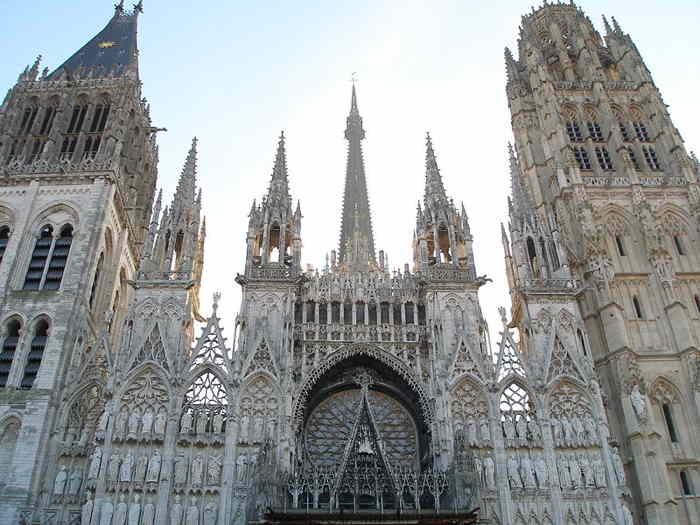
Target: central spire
{"type": "Point", "coordinates": [356, 238]}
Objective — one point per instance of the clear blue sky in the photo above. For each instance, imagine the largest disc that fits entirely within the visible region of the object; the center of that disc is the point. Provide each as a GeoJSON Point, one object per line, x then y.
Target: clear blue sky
{"type": "Point", "coordinates": [235, 73]}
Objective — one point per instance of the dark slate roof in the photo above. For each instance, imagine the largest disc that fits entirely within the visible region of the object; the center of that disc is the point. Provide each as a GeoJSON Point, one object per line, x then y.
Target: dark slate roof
{"type": "Point", "coordinates": [109, 53]}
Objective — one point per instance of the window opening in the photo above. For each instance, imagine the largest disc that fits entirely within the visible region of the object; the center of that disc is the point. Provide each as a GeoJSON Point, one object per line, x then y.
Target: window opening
{"type": "Point", "coordinates": [640, 130]}
{"type": "Point", "coordinates": [624, 132]}
{"type": "Point", "coordinates": [385, 313]}
{"type": "Point", "coordinates": [96, 279]}
{"type": "Point", "coordinates": [668, 417]}
{"type": "Point", "coordinates": [323, 313]}
{"type": "Point", "coordinates": [685, 484]}
{"type": "Point", "coordinates": [310, 312]}
{"type": "Point", "coordinates": [397, 314]}
{"type": "Point", "coordinates": [680, 248]}
{"type": "Point", "coordinates": [36, 353]}
{"type": "Point", "coordinates": [582, 159]}
{"type": "Point", "coordinates": [582, 341]}
{"type": "Point", "coordinates": [360, 312]}
{"type": "Point", "coordinates": [634, 159]}
{"type": "Point", "coordinates": [347, 312]}
{"type": "Point", "coordinates": [297, 312]}
{"type": "Point", "coordinates": [574, 131]}
{"type": "Point", "coordinates": [620, 246]}
{"type": "Point", "coordinates": [604, 160]}
{"type": "Point", "coordinates": [594, 131]}
{"type": "Point", "coordinates": [651, 158]}
{"type": "Point", "coordinates": [335, 312]}
{"type": "Point", "coordinates": [372, 310]}
{"type": "Point", "coordinates": [59, 258]}
{"type": "Point", "coordinates": [421, 314]}
{"type": "Point", "coordinates": [37, 263]}
{"type": "Point", "coordinates": [410, 317]}
{"type": "Point", "coordinates": [637, 307]}
{"type": "Point", "coordinates": [697, 303]}
{"type": "Point", "coordinates": [9, 346]}
{"type": "Point", "coordinates": [4, 239]}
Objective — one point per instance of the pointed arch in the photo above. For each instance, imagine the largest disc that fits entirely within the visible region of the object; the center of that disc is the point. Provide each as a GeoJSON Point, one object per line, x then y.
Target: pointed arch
{"type": "Point", "coordinates": [258, 408]}
{"type": "Point", "coordinates": [10, 428]}
{"type": "Point", "coordinates": [152, 350]}
{"type": "Point", "coordinates": [663, 390]}
{"type": "Point", "coordinates": [206, 402]}
{"type": "Point", "coordinates": [145, 396]}
{"type": "Point", "coordinates": [261, 360]}
{"type": "Point", "coordinates": [82, 412]}
{"type": "Point", "coordinates": [568, 398]}
{"type": "Point", "coordinates": [515, 400]}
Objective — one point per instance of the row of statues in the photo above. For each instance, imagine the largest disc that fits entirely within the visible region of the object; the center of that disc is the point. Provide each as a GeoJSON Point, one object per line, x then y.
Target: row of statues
{"type": "Point", "coordinates": [475, 433]}
{"type": "Point", "coordinates": [256, 429]}
{"type": "Point", "coordinates": [574, 432]}
{"type": "Point", "coordinates": [520, 430]}
{"type": "Point", "coordinates": [136, 513]}
{"type": "Point", "coordinates": [131, 423]}
{"type": "Point", "coordinates": [67, 485]}
{"type": "Point", "coordinates": [199, 466]}
{"type": "Point", "coordinates": [202, 422]}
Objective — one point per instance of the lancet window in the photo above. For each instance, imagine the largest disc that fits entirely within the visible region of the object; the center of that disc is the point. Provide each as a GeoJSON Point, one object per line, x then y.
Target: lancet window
{"type": "Point", "coordinates": [36, 353]}
{"type": "Point", "coordinates": [515, 403]}
{"type": "Point", "coordinates": [335, 312]}
{"type": "Point", "coordinates": [637, 307]}
{"type": "Point", "coordinates": [444, 244]}
{"type": "Point", "coordinates": [603, 156]}
{"type": "Point", "coordinates": [75, 125]}
{"type": "Point", "coordinates": [384, 307]}
{"type": "Point", "coordinates": [96, 279]}
{"type": "Point", "coordinates": [372, 310]}
{"type": "Point", "coordinates": [573, 130]}
{"type": "Point", "coordinates": [410, 311]}
{"type": "Point", "coordinates": [9, 348]}
{"type": "Point", "coordinates": [49, 259]}
{"type": "Point", "coordinates": [323, 313]}
{"type": "Point", "coordinates": [206, 406]}
{"type": "Point", "coordinates": [667, 411]}
{"type": "Point", "coordinates": [651, 158]}
{"type": "Point", "coordinates": [347, 312]}
{"type": "Point", "coordinates": [4, 240]}
{"type": "Point", "coordinates": [582, 158]}
{"type": "Point", "coordinates": [360, 312]}
{"type": "Point", "coordinates": [9, 435]}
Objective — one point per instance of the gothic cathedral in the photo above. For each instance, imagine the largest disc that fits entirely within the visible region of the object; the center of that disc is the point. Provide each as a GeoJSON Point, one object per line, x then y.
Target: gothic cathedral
{"type": "Point", "coordinates": [355, 393]}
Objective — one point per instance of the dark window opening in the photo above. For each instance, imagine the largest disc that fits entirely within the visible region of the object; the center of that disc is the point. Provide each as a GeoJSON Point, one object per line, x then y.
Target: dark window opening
{"type": "Point", "coordinates": [697, 303]}
{"type": "Point", "coordinates": [92, 146]}
{"type": "Point", "coordinates": [686, 486]}
{"type": "Point", "coordinates": [554, 255]}
{"type": "Point", "coordinates": [651, 158]}
{"type": "Point", "coordinates": [532, 258]}
{"type": "Point", "coordinates": [582, 341]}
{"type": "Point", "coordinates": [372, 313]}
{"type": "Point", "coordinates": [634, 159]}
{"type": "Point", "coordinates": [323, 313]}
{"type": "Point", "coordinates": [297, 312]}
{"type": "Point", "coordinates": [47, 123]}
{"type": "Point", "coordinates": [37, 263]}
{"type": "Point", "coordinates": [360, 313]}
{"type": "Point", "coordinates": [335, 312]}
{"type": "Point", "coordinates": [421, 314]}
{"type": "Point", "coordinates": [582, 159]}
{"type": "Point", "coordinates": [28, 120]}
{"type": "Point", "coordinates": [620, 246]}
{"type": "Point", "coordinates": [397, 314]}
{"type": "Point", "coordinates": [680, 248]}
{"type": "Point", "coordinates": [310, 312]}
{"type": "Point", "coordinates": [4, 239]}
{"type": "Point", "coordinates": [9, 346]}
{"type": "Point", "coordinates": [36, 353]}
{"type": "Point", "coordinates": [574, 131]}
{"type": "Point", "coordinates": [96, 279]}
{"type": "Point", "coordinates": [385, 312]}
{"type": "Point", "coordinates": [410, 313]}
{"type": "Point", "coordinates": [59, 258]}
{"type": "Point", "coordinates": [99, 118]}
{"type": "Point", "coordinates": [668, 417]}
{"type": "Point", "coordinates": [637, 307]}
{"type": "Point", "coordinates": [77, 118]}
{"type": "Point", "coordinates": [68, 147]}
{"type": "Point", "coordinates": [347, 313]}
{"type": "Point", "coordinates": [623, 131]}
{"type": "Point", "coordinates": [603, 157]}
{"type": "Point", "coordinates": [641, 130]}
{"type": "Point", "coordinates": [595, 132]}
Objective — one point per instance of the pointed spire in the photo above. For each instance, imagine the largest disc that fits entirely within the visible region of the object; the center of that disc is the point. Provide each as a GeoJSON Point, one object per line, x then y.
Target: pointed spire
{"type": "Point", "coordinates": [356, 236]}
{"type": "Point", "coordinates": [188, 178]}
{"type": "Point", "coordinates": [434, 188]}
{"type": "Point", "coordinates": [119, 8]}
{"type": "Point", "coordinates": [138, 8]}
{"type": "Point", "coordinates": [511, 66]}
{"type": "Point", "coordinates": [520, 203]}
{"type": "Point", "coordinates": [278, 192]}
{"type": "Point", "coordinates": [616, 26]}
{"type": "Point", "coordinates": [608, 29]}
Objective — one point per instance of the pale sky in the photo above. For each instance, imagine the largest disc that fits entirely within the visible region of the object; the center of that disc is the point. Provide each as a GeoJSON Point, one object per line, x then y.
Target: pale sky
{"type": "Point", "coordinates": [236, 73]}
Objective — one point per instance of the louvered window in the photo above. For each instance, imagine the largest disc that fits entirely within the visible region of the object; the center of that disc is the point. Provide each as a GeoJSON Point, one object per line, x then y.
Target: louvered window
{"type": "Point", "coordinates": [59, 258]}
{"type": "Point", "coordinates": [595, 132]}
{"type": "Point", "coordinates": [574, 131]}
{"type": "Point", "coordinates": [49, 259]}
{"type": "Point", "coordinates": [624, 132]}
{"type": "Point", "coordinates": [9, 347]}
{"type": "Point", "coordinates": [603, 157]}
{"type": "Point", "coordinates": [582, 159]}
{"type": "Point", "coordinates": [640, 130]}
{"type": "Point", "coordinates": [36, 353]}
{"type": "Point", "coordinates": [634, 159]}
{"type": "Point", "coordinates": [651, 158]}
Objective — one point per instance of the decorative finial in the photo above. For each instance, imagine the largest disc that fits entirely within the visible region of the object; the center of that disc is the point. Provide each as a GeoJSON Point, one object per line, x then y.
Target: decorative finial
{"type": "Point", "coordinates": [216, 299]}
{"type": "Point", "coordinates": [502, 312]}
{"type": "Point", "coordinates": [138, 8]}
{"type": "Point", "coordinates": [119, 8]}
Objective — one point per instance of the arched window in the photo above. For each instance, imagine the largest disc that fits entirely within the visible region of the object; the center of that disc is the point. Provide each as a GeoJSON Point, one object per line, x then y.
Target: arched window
{"type": "Point", "coordinates": [620, 246]}
{"type": "Point", "coordinates": [9, 435]}
{"type": "Point", "coordinates": [384, 307]}
{"type": "Point", "coordinates": [360, 312]}
{"type": "Point", "coordinates": [323, 313]}
{"type": "Point", "coordinates": [573, 130]}
{"type": "Point", "coordinates": [680, 247]}
{"type": "Point", "coordinates": [582, 341]}
{"type": "Point", "coordinates": [373, 312]}
{"type": "Point", "coordinates": [96, 279]}
{"type": "Point", "coordinates": [75, 125]}
{"type": "Point", "coordinates": [594, 131]}
{"type": "Point", "coordinates": [49, 116]}
{"type": "Point", "coordinates": [59, 258]}
{"type": "Point", "coordinates": [651, 158]}
{"type": "Point", "coordinates": [543, 251]}
{"type": "Point", "coordinates": [603, 156]}
{"type": "Point", "coordinates": [335, 312]}
{"type": "Point", "coordinates": [637, 307]}
{"type": "Point", "coordinates": [298, 312]}
{"type": "Point", "coordinates": [640, 129]}
{"type": "Point", "coordinates": [36, 353]}
{"type": "Point", "coordinates": [347, 312]}
{"type": "Point", "coordinates": [444, 244]}
{"type": "Point", "coordinates": [4, 239]}
{"type": "Point", "coordinates": [274, 249]}
{"type": "Point", "coordinates": [310, 312]}
{"type": "Point", "coordinates": [410, 311]}
{"type": "Point", "coordinates": [37, 264]}
{"type": "Point", "coordinates": [515, 402]}
{"type": "Point", "coordinates": [532, 258]}
{"type": "Point", "coordinates": [397, 313]}
{"type": "Point", "coordinates": [634, 160]}
{"type": "Point", "coordinates": [554, 255]}
{"type": "Point", "coordinates": [670, 425]}
{"type": "Point", "coordinates": [686, 485]}
{"type": "Point", "coordinates": [582, 158]}
{"type": "Point", "coordinates": [421, 314]}
{"type": "Point", "coordinates": [28, 118]}
{"type": "Point", "coordinates": [9, 347]}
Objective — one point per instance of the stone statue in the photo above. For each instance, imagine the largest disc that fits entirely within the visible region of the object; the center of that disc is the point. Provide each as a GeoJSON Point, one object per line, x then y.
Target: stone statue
{"type": "Point", "coordinates": [106, 513]}
{"type": "Point", "coordinates": [471, 433]}
{"type": "Point", "coordinates": [258, 432]}
{"type": "Point", "coordinates": [95, 461]}
{"type": "Point", "coordinates": [509, 428]}
{"type": "Point", "coordinates": [135, 511]}
{"type": "Point", "coordinates": [527, 473]}
{"type": "Point", "coordinates": [521, 427]}
{"type": "Point", "coordinates": [479, 469]}
{"type": "Point", "coordinates": [489, 470]}
{"type": "Point", "coordinates": [120, 428]}
{"type": "Point", "coordinates": [513, 474]}
{"type": "Point", "coordinates": [186, 423]}
{"type": "Point", "coordinates": [134, 423]}
{"type": "Point", "coordinates": [619, 468]}
{"type": "Point", "coordinates": [589, 427]}
{"type": "Point", "coordinates": [202, 419]}
{"type": "Point", "coordinates": [210, 512]}
{"type": "Point", "coordinates": [141, 468]}
{"type": "Point", "coordinates": [533, 428]}
{"type": "Point", "coordinates": [599, 471]}
{"type": "Point", "coordinates": [568, 432]}
{"type": "Point", "coordinates": [120, 514]}
{"type": "Point", "coordinates": [147, 421]}
{"type": "Point", "coordinates": [627, 515]}
{"type": "Point", "coordinates": [240, 467]}
{"type": "Point", "coordinates": [485, 431]}
{"type": "Point", "coordinates": [557, 432]}
{"type": "Point", "coordinates": [76, 478]}
{"type": "Point", "coordinates": [160, 423]}
{"type": "Point", "coordinates": [564, 475]}
{"type": "Point", "coordinates": [575, 470]}
{"type": "Point", "coordinates": [579, 430]}
{"type": "Point", "coordinates": [214, 470]}
{"type": "Point", "coordinates": [176, 512]}
{"type": "Point", "coordinates": [113, 467]}
{"type": "Point", "coordinates": [192, 513]}
{"type": "Point", "coordinates": [181, 469]}
{"type": "Point", "coordinates": [86, 510]}
{"type": "Point", "coordinates": [245, 423]}
{"type": "Point", "coordinates": [541, 471]}
{"type": "Point", "coordinates": [102, 424]}
{"type": "Point", "coordinates": [153, 468]}
{"type": "Point", "coordinates": [59, 484]}
{"type": "Point", "coordinates": [218, 423]}
{"type": "Point", "coordinates": [197, 469]}
{"type": "Point", "coordinates": [639, 403]}
{"type": "Point", "coordinates": [149, 513]}
{"type": "Point", "coordinates": [126, 466]}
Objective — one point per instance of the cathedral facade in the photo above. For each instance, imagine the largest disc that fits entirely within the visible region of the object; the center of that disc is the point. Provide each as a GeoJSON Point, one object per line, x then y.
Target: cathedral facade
{"type": "Point", "coordinates": [354, 393]}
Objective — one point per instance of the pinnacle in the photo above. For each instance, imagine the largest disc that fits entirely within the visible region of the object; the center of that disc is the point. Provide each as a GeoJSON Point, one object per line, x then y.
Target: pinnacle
{"type": "Point", "coordinates": [279, 179]}
{"type": "Point", "coordinates": [434, 189]}
{"type": "Point", "coordinates": [188, 178]}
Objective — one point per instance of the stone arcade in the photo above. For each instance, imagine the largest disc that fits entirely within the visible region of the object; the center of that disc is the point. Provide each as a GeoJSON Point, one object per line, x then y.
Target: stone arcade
{"type": "Point", "coordinates": [354, 393]}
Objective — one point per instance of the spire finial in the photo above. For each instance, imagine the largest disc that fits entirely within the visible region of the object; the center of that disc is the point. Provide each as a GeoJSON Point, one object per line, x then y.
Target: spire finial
{"type": "Point", "coordinates": [616, 26]}
{"type": "Point", "coordinates": [608, 29]}
{"type": "Point", "coordinates": [138, 8]}
{"type": "Point", "coordinates": [278, 191]}
{"type": "Point", "coordinates": [119, 8]}
{"type": "Point", "coordinates": [434, 189]}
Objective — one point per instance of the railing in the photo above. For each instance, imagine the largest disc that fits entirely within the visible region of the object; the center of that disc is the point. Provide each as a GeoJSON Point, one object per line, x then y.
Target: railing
{"type": "Point", "coordinates": [270, 273]}
{"type": "Point", "coordinates": [624, 180]}
{"type": "Point", "coordinates": [447, 272]}
{"type": "Point", "coordinates": [164, 276]}
{"type": "Point", "coordinates": [550, 284]}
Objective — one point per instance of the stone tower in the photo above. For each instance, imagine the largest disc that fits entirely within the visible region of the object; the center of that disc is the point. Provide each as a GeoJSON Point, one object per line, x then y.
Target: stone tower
{"type": "Point", "coordinates": [604, 225]}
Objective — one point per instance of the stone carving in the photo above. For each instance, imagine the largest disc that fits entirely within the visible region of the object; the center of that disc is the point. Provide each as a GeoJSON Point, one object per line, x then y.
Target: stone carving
{"type": "Point", "coordinates": [192, 517]}
{"type": "Point", "coordinates": [86, 510]}
{"type": "Point", "coordinates": [489, 472]}
{"type": "Point", "coordinates": [106, 512]}
{"type": "Point", "coordinates": [214, 470]}
{"type": "Point", "coordinates": [241, 467]}
{"type": "Point", "coordinates": [160, 422]}
{"type": "Point", "coordinates": [121, 511]}
{"type": "Point", "coordinates": [176, 512]}
{"type": "Point", "coordinates": [95, 462]}
{"type": "Point", "coordinates": [181, 469]}
{"type": "Point", "coordinates": [153, 473]}
{"type": "Point", "coordinates": [527, 473]}
{"type": "Point", "coordinates": [113, 467]}
{"type": "Point", "coordinates": [210, 513]}
{"type": "Point", "coordinates": [59, 484]}
{"type": "Point", "coordinates": [135, 511]}
{"type": "Point", "coordinates": [619, 468]}
{"type": "Point", "coordinates": [639, 403]}
{"type": "Point", "coordinates": [76, 478]}
{"type": "Point", "coordinates": [126, 467]}
{"type": "Point", "coordinates": [147, 421]}
{"type": "Point", "coordinates": [186, 422]}
{"type": "Point", "coordinates": [141, 468]}
{"type": "Point", "coordinates": [513, 473]}
{"type": "Point", "coordinates": [197, 469]}
{"type": "Point", "coordinates": [541, 471]}
{"type": "Point", "coordinates": [149, 513]}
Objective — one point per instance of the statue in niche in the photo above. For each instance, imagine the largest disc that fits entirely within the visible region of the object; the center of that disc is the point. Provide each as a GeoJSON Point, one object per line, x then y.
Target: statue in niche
{"type": "Point", "coordinates": [135, 511]}
{"type": "Point", "coordinates": [599, 471]}
{"type": "Point", "coordinates": [639, 403]}
{"type": "Point", "coordinates": [154, 468]}
{"type": "Point", "coordinates": [589, 429]}
{"type": "Point", "coordinates": [575, 470]}
{"type": "Point", "coordinates": [564, 476]}
{"type": "Point", "coordinates": [113, 467]}
{"type": "Point", "coordinates": [141, 468]}
{"type": "Point", "coordinates": [245, 423]}
{"type": "Point", "coordinates": [202, 419]}
{"type": "Point", "coordinates": [258, 432]}
{"type": "Point", "coordinates": [126, 466]}
{"type": "Point", "coordinates": [59, 483]}
{"type": "Point", "coordinates": [106, 512]}
{"type": "Point", "coordinates": [86, 510]}
{"type": "Point", "coordinates": [210, 512]}
{"type": "Point", "coordinates": [149, 513]}
{"type": "Point", "coordinates": [587, 468]}
{"type": "Point", "coordinates": [134, 420]}
{"type": "Point", "coordinates": [214, 470]}
{"type": "Point", "coordinates": [541, 471]}
{"type": "Point", "coordinates": [580, 431]}
{"type": "Point", "coordinates": [120, 427]}
{"type": "Point", "coordinates": [557, 432]}
{"type": "Point", "coordinates": [197, 468]}
{"type": "Point", "coordinates": [619, 468]}
{"type": "Point", "coordinates": [509, 427]}
{"type": "Point", "coordinates": [479, 469]}
{"type": "Point", "coordinates": [527, 473]}
{"type": "Point", "coordinates": [95, 461]}
{"type": "Point", "coordinates": [176, 512]}
{"type": "Point", "coordinates": [533, 427]}
{"type": "Point", "coordinates": [627, 515]}
{"type": "Point", "coordinates": [76, 478]}
{"type": "Point", "coordinates": [160, 423]}
{"type": "Point", "coordinates": [490, 472]}
{"type": "Point", "coordinates": [147, 421]}
{"type": "Point", "coordinates": [568, 432]}
{"type": "Point", "coordinates": [181, 469]}
{"type": "Point", "coordinates": [218, 423]}
{"type": "Point", "coordinates": [485, 431]}
{"type": "Point", "coordinates": [186, 423]}
{"type": "Point", "coordinates": [241, 467]}
{"type": "Point", "coordinates": [122, 509]}
{"type": "Point", "coordinates": [471, 433]}
{"type": "Point", "coordinates": [521, 427]}
{"type": "Point", "coordinates": [513, 474]}
{"type": "Point", "coordinates": [271, 425]}
{"type": "Point", "coordinates": [192, 513]}
{"type": "Point", "coordinates": [102, 425]}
